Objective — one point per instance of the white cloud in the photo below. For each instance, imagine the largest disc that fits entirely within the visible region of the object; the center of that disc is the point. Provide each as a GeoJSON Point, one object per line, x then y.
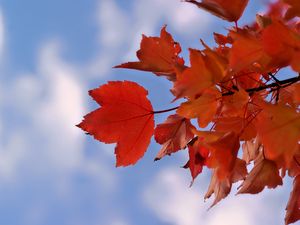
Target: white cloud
{"type": "Point", "coordinates": [62, 106]}
{"type": "Point", "coordinates": [182, 17]}
{"type": "Point", "coordinates": [120, 31]}
{"type": "Point", "coordinates": [150, 16]}
{"type": "Point", "coordinates": [114, 34]}
{"type": "Point", "coordinates": [188, 20]}
{"type": "Point", "coordinates": [12, 152]}
{"type": "Point", "coordinates": [113, 23]}
{"type": "Point", "coordinates": [49, 103]}
{"type": "Point", "coordinates": [98, 170]}
{"type": "Point", "coordinates": [170, 199]}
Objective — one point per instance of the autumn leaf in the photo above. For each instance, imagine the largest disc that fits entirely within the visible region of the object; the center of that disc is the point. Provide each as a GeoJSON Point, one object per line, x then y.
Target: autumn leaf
{"type": "Point", "coordinates": [219, 187]}
{"type": "Point", "coordinates": [198, 155]}
{"type": "Point", "coordinates": [239, 125]}
{"type": "Point", "coordinates": [276, 10]}
{"type": "Point", "coordinates": [173, 134]}
{"type": "Point", "coordinates": [235, 89]}
{"type": "Point", "coordinates": [294, 168]}
{"type": "Point", "coordinates": [293, 206]}
{"type": "Point", "coordinates": [223, 154]}
{"type": "Point", "coordinates": [203, 108]}
{"type": "Point", "coordinates": [194, 79]}
{"type": "Point", "coordinates": [247, 52]}
{"type": "Point", "coordinates": [208, 136]}
{"type": "Point", "coordinates": [159, 55]}
{"type": "Point", "coordinates": [263, 21]}
{"type": "Point", "coordinates": [248, 79]}
{"type": "Point", "coordinates": [264, 174]}
{"type": "Point", "coordinates": [125, 118]}
{"type": "Point", "coordinates": [293, 10]}
{"type": "Point", "coordinates": [221, 39]}
{"type": "Point", "coordinates": [296, 94]}
{"type": "Point", "coordinates": [215, 62]}
{"type": "Point", "coordinates": [282, 44]}
{"type": "Point", "coordinates": [207, 68]}
{"type": "Point", "coordinates": [273, 124]}
{"type": "Point", "coordinates": [222, 187]}
{"type": "Point", "coordinates": [234, 105]}
{"type": "Point", "coordinates": [290, 95]}
{"type": "Point", "coordinates": [239, 171]}
{"type": "Point", "coordinates": [230, 10]}
{"type": "Point", "coordinates": [251, 150]}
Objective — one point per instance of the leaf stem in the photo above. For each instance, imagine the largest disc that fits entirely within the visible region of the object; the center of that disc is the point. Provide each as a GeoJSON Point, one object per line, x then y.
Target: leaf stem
{"type": "Point", "coordinates": [165, 110]}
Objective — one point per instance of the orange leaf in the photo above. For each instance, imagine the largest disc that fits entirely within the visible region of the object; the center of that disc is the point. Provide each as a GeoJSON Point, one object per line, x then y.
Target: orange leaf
{"type": "Point", "coordinates": [220, 39]}
{"type": "Point", "coordinates": [296, 94]}
{"type": "Point", "coordinates": [248, 80]}
{"type": "Point", "coordinates": [294, 169]}
{"type": "Point", "coordinates": [215, 62]}
{"type": "Point", "coordinates": [293, 206]}
{"type": "Point", "coordinates": [247, 52]}
{"type": "Point", "coordinates": [223, 154]}
{"type": "Point", "coordinates": [293, 10]}
{"type": "Point", "coordinates": [282, 44]}
{"type": "Point", "coordinates": [251, 150]}
{"type": "Point", "coordinates": [174, 134]}
{"type": "Point", "coordinates": [290, 95]}
{"type": "Point", "coordinates": [264, 173]}
{"type": "Point", "coordinates": [276, 10]}
{"type": "Point", "coordinates": [203, 108]}
{"type": "Point", "coordinates": [239, 171]}
{"type": "Point", "coordinates": [238, 125]}
{"type": "Point", "coordinates": [197, 158]}
{"type": "Point", "coordinates": [278, 128]}
{"type": "Point", "coordinates": [230, 10]}
{"type": "Point", "coordinates": [208, 136]}
{"type": "Point", "coordinates": [207, 68]}
{"type": "Point", "coordinates": [234, 105]}
{"type": "Point", "coordinates": [158, 55]}
{"type": "Point", "coordinates": [125, 118]}
{"type": "Point", "coordinates": [221, 187]}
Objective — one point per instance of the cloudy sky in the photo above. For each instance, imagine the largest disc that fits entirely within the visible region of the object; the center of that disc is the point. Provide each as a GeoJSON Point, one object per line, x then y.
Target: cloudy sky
{"type": "Point", "coordinates": [51, 53]}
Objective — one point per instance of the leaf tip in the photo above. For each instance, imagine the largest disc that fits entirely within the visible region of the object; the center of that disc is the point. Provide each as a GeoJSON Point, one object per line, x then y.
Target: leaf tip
{"type": "Point", "coordinates": [117, 66]}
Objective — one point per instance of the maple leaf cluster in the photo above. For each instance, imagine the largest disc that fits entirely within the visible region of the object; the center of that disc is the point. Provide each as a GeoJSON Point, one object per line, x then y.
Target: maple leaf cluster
{"type": "Point", "coordinates": [232, 90]}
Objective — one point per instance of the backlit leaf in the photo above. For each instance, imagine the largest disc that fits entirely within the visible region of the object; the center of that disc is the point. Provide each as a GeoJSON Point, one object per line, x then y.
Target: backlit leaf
{"type": "Point", "coordinates": [273, 124]}
{"type": "Point", "coordinates": [159, 55]}
{"type": "Point", "coordinates": [125, 118]}
{"type": "Point", "coordinates": [264, 174]}
{"type": "Point", "coordinates": [293, 206]}
{"type": "Point", "coordinates": [173, 134]}
{"type": "Point", "coordinates": [230, 10]}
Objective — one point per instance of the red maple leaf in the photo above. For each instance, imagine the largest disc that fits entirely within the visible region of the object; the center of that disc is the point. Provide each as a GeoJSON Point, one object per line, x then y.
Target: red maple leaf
{"type": "Point", "coordinates": [125, 118]}
{"type": "Point", "coordinates": [230, 10]}
{"type": "Point", "coordinates": [293, 206]}
{"type": "Point", "coordinates": [158, 55]}
{"type": "Point", "coordinates": [173, 134]}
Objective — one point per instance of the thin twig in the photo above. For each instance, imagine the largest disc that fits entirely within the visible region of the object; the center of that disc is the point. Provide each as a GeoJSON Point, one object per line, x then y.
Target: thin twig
{"type": "Point", "coordinates": [264, 87]}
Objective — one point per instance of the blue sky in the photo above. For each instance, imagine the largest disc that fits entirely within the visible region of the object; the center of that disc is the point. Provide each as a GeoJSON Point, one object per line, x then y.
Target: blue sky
{"type": "Point", "coordinates": [51, 54]}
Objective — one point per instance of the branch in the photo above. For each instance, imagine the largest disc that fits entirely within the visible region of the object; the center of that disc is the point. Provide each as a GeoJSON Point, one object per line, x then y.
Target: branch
{"type": "Point", "coordinates": [264, 87]}
{"type": "Point", "coordinates": [278, 83]}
